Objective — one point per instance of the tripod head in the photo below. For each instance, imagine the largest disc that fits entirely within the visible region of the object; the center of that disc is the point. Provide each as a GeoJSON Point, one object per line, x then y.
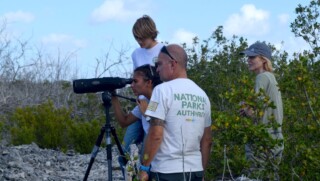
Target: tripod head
{"type": "Point", "coordinates": [106, 97]}
{"type": "Point", "coordinates": [128, 98]}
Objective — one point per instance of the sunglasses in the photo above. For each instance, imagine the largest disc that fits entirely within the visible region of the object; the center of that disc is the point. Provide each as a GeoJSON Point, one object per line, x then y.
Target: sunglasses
{"type": "Point", "coordinates": [165, 51]}
{"type": "Point", "coordinates": [151, 71]}
{"type": "Point", "coordinates": [144, 68]}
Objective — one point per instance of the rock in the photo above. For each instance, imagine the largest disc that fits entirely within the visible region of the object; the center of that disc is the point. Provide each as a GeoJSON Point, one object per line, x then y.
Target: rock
{"type": "Point", "coordinates": [48, 163]}
{"type": "Point", "coordinates": [29, 162]}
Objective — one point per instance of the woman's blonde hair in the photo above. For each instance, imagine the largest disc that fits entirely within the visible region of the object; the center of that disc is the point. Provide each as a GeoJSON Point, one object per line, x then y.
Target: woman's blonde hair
{"type": "Point", "coordinates": [267, 65]}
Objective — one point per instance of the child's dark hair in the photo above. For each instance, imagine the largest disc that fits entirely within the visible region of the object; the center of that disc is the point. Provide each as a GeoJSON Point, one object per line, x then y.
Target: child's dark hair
{"type": "Point", "coordinates": [150, 73]}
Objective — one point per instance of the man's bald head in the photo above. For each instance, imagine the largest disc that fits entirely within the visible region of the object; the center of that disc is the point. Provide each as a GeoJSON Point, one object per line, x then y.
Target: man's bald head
{"type": "Point", "coordinates": [172, 62]}
{"type": "Point", "coordinates": [179, 54]}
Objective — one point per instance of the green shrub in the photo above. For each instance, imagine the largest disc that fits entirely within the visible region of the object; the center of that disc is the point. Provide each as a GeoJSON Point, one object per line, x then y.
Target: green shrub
{"type": "Point", "coordinates": [83, 135]}
{"type": "Point", "coordinates": [226, 79]}
{"type": "Point", "coordinates": [51, 127]}
{"type": "Point", "coordinates": [23, 126]}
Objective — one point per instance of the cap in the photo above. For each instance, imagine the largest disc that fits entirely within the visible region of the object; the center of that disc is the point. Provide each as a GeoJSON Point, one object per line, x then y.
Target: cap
{"type": "Point", "coordinates": [256, 49]}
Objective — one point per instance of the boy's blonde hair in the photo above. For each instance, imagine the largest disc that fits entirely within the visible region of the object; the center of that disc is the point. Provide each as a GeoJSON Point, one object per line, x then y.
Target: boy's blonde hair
{"type": "Point", "coordinates": [145, 28]}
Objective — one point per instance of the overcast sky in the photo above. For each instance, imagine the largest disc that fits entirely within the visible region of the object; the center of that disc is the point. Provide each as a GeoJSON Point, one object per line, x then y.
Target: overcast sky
{"type": "Point", "coordinates": [92, 28]}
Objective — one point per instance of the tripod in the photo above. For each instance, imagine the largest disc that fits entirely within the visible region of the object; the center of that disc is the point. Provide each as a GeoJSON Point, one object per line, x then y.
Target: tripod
{"type": "Point", "coordinates": [107, 128]}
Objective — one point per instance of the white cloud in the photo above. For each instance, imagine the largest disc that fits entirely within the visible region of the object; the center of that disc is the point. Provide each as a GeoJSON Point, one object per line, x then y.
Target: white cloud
{"type": "Point", "coordinates": [183, 36]}
{"type": "Point", "coordinates": [291, 45]}
{"type": "Point", "coordinates": [119, 10]}
{"type": "Point", "coordinates": [63, 39]}
{"type": "Point", "coordinates": [18, 16]}
{"type": "Point", "coordinates": [80, 43]}
{"type": "Point", "coordinates": [283, 18]}
{"type": "Point", "coordinates": [55, 38]}
{"type": "Point", "coordinates": [296, 44]}
{"type": "Point", "coordinates": [250, 21]}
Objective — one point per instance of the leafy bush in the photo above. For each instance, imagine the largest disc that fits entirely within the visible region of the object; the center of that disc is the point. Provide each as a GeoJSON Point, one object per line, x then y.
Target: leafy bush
{"type": "Point", "coordinates": [83, 135]}
{"type": "Point", "coordinates": [51, 127]}
{"type": "Point", "coordinates": [225, 77]}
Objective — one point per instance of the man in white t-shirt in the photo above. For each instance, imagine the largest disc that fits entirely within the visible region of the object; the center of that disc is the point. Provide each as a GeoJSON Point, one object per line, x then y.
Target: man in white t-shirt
{"type": "Point", "coordinates": [179, 141]}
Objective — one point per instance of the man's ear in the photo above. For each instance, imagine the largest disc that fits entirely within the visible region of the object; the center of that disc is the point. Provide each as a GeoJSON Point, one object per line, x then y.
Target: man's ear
{"type": "Point", "coordinates": [174, 63]}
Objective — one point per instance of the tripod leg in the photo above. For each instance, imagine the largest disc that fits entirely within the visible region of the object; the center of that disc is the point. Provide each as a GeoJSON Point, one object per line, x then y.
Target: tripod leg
{"type": "Point", "coordinates": [94, 152]}
{"type": "Point", "coordinates": [109, 153]}
{"type": "Point", "coordinates": [114, 134]}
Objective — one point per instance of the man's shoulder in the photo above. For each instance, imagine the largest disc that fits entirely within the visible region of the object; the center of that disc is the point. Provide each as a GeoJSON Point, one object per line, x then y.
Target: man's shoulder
{"type": "Point", "coordinates": [175, 82]}
{"type": "Point", "coordinates": [180, 84]}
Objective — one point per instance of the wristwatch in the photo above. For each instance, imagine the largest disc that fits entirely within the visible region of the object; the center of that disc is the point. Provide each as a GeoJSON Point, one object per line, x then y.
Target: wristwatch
{"type": "Point", "coordinates": [145, 168]}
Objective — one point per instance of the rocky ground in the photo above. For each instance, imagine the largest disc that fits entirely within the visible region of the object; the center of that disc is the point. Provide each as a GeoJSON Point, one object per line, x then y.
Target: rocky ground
{"type": "Point", "coordinates": [29, 162]}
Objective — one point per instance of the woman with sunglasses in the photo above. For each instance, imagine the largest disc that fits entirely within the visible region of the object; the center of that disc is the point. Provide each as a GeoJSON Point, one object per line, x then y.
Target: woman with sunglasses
{"type": "Point", "coordinates": [145, 78]}
{"type": "Point", "coordinates": [259, 56]}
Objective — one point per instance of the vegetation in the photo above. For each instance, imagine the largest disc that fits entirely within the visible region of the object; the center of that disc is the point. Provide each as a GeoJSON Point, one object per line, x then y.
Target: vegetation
{"type": "Point", "coordinates": [43, 109]}
{"type": "Point", "coordinates": [227, 81]}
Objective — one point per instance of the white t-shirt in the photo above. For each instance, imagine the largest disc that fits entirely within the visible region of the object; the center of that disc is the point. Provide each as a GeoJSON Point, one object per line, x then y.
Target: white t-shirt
{"type": "Point", "coordinates": [142, 56]}
{"type": "Point", "coordinates": [186, 110]}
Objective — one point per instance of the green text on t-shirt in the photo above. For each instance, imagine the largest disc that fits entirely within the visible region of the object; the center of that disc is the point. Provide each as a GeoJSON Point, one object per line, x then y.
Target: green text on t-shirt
{"type": "Point", "coordinates": [191, 102]}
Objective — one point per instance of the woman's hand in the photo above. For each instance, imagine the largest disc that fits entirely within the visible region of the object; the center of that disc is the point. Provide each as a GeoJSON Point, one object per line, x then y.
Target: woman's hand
{"type": "Point", "coordinates": [143, 104]}
{"type": "Point", "coordinates": [245, 110]}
